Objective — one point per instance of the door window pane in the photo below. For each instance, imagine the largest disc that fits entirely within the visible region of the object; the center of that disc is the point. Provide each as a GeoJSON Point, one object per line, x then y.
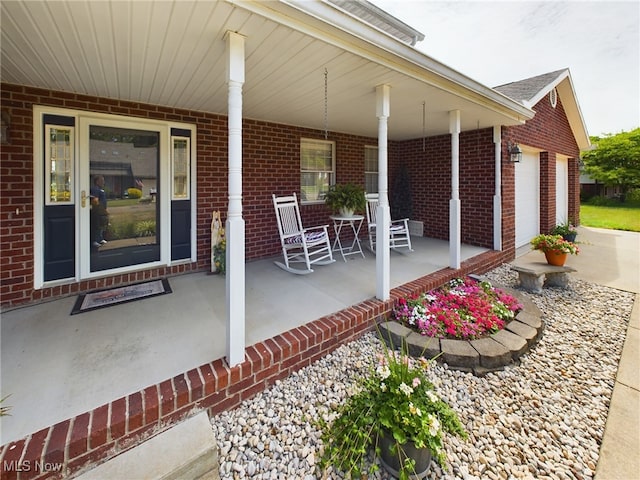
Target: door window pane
{"type": "Point", "coordinates": [180, 166]}
{"type": "Point", "coordinates": [59, 164]}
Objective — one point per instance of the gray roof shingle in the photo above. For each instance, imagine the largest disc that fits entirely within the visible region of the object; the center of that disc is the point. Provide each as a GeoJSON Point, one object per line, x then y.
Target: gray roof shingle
{"type": "Point", "coordinates": [524, 90]}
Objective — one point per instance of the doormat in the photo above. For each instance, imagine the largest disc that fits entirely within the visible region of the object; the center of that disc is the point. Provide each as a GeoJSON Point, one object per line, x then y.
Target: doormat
{"type": "Point", "coordinates": [114, 296]}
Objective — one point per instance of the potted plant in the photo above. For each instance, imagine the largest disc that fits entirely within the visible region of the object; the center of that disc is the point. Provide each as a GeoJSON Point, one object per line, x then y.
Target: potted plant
{"type": "Point", "coordinates": [567, 230]}
{"type": "Point", "coordinates": [554, 247]}
{"type": "Point", "coordinates": [345, 199]}
{"type": "Point", "coordinates": [396, 414]}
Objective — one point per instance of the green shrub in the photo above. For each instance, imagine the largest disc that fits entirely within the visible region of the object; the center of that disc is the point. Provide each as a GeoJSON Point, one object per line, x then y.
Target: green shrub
{"type": "Point", "coordinates": [134, 192]}
{"type": "Point", "coordinates": [600, 201]}
{"type": "Point", "coordinates": [122, 230]}
{"type": "Point", "coordinates": [145, 228]}
{"type": "Point", "coordinates": [633, 196]}
{"type": "Point", "coordinates": [585, 197]}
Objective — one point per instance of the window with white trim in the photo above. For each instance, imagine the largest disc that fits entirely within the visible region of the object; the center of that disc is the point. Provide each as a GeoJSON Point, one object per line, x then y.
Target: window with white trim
{"type": "Point", "coordinates": [317, 168]}
{"type": "Point", "coordinates": [371, 169]}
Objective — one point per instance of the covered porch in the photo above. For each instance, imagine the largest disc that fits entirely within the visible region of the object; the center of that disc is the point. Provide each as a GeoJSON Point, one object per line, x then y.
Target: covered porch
{"type": "Point", "coordinates": [57, 367]}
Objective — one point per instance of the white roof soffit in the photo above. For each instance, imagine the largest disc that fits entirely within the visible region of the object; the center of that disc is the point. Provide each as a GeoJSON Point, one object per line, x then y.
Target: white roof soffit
{"type": "Point", "coordinates": [337, 28]}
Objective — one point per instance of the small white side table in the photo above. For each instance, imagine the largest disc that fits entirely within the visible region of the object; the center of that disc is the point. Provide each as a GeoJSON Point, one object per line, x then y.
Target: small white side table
{"type": "Point", "coordinates": [355, 222]}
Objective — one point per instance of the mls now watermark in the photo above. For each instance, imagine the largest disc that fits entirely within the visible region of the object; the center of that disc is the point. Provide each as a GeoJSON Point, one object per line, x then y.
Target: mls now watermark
{"type": "Point", "coordinates": [29, 466]}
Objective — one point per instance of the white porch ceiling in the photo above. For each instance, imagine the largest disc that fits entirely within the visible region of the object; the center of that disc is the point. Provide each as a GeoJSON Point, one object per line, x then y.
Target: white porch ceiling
{"type": "Point", "coordinates": [172, 53]}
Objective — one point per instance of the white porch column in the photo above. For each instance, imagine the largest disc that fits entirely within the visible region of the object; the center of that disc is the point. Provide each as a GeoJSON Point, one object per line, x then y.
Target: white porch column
{"type": "Point", "coordinates": [235, 233]}
{"type": "Point", "coordinates": [383, 214]}
{"type": "Point", "coordinates": [497, 196]}
{"type": "Point", "coordinates": [454, 203]}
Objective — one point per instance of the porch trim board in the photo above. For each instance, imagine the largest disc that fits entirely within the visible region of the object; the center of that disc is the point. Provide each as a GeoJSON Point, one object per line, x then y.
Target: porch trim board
{"type": "Point", "coordinates": [78, 444]}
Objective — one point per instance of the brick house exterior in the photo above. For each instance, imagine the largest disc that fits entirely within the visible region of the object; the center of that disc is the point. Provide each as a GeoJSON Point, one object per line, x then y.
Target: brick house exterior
{"type": "Point", "coordinates": [271, 164]}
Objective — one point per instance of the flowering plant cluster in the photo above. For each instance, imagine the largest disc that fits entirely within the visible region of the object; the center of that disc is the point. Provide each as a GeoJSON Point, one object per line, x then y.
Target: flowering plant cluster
{"type": "Point", "coordinates": [463, 309]}
{"type": "Point", "coordinates": [396, 399]}
{"type": "Point", "coordinates": [564, 229]}
{"type": "Point", "coordinates": [554, 243]}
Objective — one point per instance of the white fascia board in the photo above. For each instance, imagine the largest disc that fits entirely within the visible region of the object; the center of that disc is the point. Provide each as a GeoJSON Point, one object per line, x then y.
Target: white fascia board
{"type": "Point", "coordinates": [550, 86]}
{"type": "Point", "coordinates": [326, 22]}
{"type": "Point", "coordinates": [567, 94]}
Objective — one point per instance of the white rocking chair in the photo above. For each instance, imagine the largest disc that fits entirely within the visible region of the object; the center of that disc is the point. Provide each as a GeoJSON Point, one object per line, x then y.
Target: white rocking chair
{"type": "Point", "coordinates": [398, 229]}
{"type": "Point", "coordinates": [300, 245]}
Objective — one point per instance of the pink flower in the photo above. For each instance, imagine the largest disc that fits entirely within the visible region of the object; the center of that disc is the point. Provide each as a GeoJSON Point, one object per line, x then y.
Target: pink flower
{"type": "Point", "coordinates": [460, 309]}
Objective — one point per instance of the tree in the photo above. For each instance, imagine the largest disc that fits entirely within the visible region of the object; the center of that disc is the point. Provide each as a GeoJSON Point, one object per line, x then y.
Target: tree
{"type": "Point", "coordinates": [615, 160]}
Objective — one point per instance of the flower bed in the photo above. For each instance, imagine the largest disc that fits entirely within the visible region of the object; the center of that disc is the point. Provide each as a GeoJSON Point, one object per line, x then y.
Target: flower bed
{"type": "Point", "coordinates": [461, 309]}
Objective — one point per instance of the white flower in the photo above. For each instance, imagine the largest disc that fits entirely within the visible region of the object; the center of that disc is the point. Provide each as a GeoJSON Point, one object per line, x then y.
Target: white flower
{"type": "Point", "coordinates": [406, 389]}
{"type": "Point", "coordinates": [432, 396]}
{"type": "Point", "coordinates": [434, 425]}
{"type": "Point", "coordinates": [383, 371]}
{"type": "Point", "coordinates": [383, 386]}
{"type": "Point", "coordinates": [414, 410]}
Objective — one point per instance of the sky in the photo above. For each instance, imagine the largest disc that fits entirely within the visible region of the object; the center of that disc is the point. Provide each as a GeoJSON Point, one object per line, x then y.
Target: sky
{"type": "Point", "coordinates": [504, 41]}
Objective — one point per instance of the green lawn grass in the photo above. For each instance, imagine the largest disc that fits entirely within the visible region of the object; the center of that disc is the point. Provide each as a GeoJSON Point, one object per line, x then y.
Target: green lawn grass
{"type": "Point", "coordinates": [623, 217]}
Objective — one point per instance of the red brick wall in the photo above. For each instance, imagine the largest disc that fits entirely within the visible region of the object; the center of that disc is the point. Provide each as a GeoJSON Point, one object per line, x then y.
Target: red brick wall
{"type": "Point", "coordinates": [547, 191]}
{"type": "Point", "coordinates": [430, 172]}
{"type": "Point", "coordinates": [573, 205]}
{"type": "Point", "coordinates": [549, 130]}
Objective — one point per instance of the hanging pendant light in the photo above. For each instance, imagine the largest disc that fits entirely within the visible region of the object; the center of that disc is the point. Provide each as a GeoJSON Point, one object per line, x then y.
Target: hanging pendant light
{"type": "Point", "coordinates": [326, 104]}
{"type": "Point", "coordinates": [424, 125]}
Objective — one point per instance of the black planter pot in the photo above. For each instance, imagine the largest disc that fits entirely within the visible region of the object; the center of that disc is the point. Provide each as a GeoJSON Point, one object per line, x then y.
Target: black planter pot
{"type": "Point", "coordinates": [391, 462]}
{"type": "Point", "coordinates": [570, 237]}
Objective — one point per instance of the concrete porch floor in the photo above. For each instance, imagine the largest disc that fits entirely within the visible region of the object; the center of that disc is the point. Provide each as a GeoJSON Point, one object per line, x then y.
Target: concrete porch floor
{"type": "Point", "coordinates": [56, 366]}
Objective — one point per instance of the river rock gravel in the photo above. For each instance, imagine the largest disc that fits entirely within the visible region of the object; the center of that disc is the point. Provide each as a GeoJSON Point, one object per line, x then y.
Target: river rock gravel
{"type": "Point", "coordinates": [543, 418]}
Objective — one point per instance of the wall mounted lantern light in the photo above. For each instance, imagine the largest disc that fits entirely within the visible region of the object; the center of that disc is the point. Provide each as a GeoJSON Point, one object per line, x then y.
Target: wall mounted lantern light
{"type": "Point", "coordinates": [515, 154]}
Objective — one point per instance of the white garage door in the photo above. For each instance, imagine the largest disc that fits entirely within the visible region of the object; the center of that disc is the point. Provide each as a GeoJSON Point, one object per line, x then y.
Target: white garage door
{"type": "Point", "coordinates": [527, 181]}
{"type": "Point", "coordinates": [562, 191]}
